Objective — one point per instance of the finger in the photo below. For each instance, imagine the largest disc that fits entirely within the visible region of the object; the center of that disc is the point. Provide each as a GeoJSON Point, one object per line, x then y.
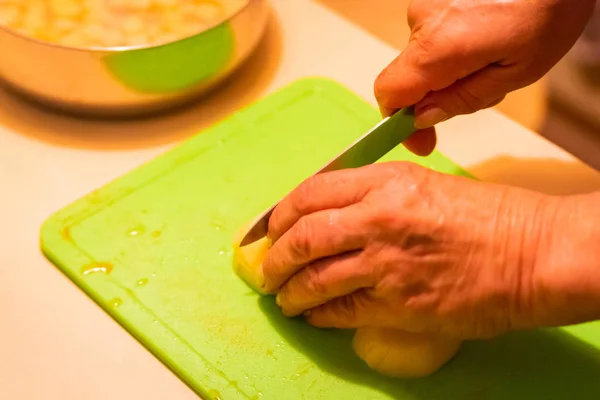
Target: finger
{"type": "Point", "coordinates": [386, 112]}
{"type": "Point", "coordinates": [324, 280]}
{"type": "Point", "coordinates": [414, 14]}
{"type": "Point", "coordinates": [317, 235]}
{"type": "Point", "coordinates": [496, 102]}
{"type": "Point", "coordinates": [336, 189]}
{"type": "Point", "coordinates": [352, 311]}
{"type": "Point", "coordinates": [422, 142]}
{"type": "Point", "coordinates": [481, 90]}
{"type": "Point", "coordinates": [418, 12]}
{"type": "Point", "coordinates": [361, 309]}
{"type": "Point", "coordinates": [423, 66]}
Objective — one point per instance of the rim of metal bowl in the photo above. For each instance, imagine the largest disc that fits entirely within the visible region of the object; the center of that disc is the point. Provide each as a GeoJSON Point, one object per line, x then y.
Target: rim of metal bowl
{"type": "Point", "coordinates": [117, 49]}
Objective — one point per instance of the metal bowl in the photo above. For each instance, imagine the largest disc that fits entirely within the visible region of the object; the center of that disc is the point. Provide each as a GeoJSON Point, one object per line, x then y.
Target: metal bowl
{"type": "Point", "coordinates": [126, 81]}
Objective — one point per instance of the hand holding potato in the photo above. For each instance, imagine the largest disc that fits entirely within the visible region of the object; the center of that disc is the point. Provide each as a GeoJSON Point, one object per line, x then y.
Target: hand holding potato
{"type": "Point", "coordinates": [400, 246]}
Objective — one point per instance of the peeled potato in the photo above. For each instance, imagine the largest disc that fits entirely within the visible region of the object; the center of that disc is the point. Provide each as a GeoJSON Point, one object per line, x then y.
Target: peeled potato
{"type": "Point", "coordinates": [404, 354]}
{"type": "Point", "coordinates": [390, 352]}
{"type": "Point", "coordinates": [247, 260]}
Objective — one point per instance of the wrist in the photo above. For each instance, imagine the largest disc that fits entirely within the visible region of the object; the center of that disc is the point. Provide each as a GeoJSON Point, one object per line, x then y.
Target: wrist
{"type": "Point", "coordinates": [566, 278]}
{"type": "Point", "coordinates": [525, 218]}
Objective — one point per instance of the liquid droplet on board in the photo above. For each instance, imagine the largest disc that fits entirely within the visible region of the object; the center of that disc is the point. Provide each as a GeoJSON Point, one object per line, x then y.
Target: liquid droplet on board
{"type": "Point", "coordinates": [216, 225]}
{"type": "Point", "coordinates": [142, 282]}
{"type": "Point", "coordinates": [102, 267]}
{"type": "Point", "coordinates": [116, 302]}
{"type": "Point", "coordinates": [137, 231]}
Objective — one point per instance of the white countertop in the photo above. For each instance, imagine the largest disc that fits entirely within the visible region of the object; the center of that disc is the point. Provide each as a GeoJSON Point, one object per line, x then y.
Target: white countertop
{"type": "Point", "coordinates": [55, 343]}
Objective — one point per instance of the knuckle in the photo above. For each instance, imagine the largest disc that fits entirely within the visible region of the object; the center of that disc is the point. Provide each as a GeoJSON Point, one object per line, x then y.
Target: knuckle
{"type": "Point", "coordinates": [467, 101]}
{"type": "Point", "coordinates": [345, 309]}
{"type": "Point", "coordinates": [389, 170]}
{"type": "Point", "coordinates": [275, 225]}
{"type": "Point", "coordinates": [411, 175]}
{"type": "Point", "coordinates": [301, 244]}
{"type": "Point", "coordinates": [425, 50]}
{"type": "Point", "coordinates": [302, 196]}
{"type": "Point", "coordinates": [270, 273]}
{"type": "Point", "coordinates": [382, 87]}
{"type": "Point", "coordinates": [314, 283]}
{"type": "Point", "coordinates": [423, 46]}
{"type": "Point", "coordinates": [403, 168]}
{"type": "Point", "coordinates": [352, 309]}
{"type": "Point", "coordinates": [409, 184]}
{"type": "Point", "coordinates": [412, 15]}
{"type": "Point", "coordinates": [362, 300]}
{"type": "Point", "coordinates": [385, 219]}
{"type": "Point", "coordinates": [417, 12]}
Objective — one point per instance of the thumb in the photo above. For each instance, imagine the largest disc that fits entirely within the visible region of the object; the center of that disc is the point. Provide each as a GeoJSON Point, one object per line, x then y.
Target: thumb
{"type": "Point", "coordinates": [422, 142]}
{"type": "Point", "coordinates": [483, 89]}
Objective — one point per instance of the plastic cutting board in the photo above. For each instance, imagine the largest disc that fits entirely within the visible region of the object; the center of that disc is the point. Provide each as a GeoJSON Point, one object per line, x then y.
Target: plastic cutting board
{"type": "Point", "coordinates": [153, 249]}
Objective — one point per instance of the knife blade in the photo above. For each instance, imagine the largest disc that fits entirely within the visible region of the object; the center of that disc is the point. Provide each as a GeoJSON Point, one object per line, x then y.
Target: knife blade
{"type": "Point", "coordinates": [367, 149]}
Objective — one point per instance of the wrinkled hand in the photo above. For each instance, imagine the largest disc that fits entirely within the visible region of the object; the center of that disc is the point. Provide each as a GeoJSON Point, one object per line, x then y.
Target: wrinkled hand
{"type": "Point", "coordinates": [466, 55]}
{"type": "Point", "coordinates": [401, 246]}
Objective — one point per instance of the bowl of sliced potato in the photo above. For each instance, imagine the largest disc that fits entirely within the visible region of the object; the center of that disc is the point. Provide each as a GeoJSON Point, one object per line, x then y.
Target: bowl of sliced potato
{"type": "Point", "coordinates": [124, 57]}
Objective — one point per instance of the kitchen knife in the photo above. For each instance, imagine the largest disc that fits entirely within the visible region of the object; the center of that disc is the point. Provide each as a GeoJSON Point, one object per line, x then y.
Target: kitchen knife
{"type": "Point", "coordinates": [369, 148]}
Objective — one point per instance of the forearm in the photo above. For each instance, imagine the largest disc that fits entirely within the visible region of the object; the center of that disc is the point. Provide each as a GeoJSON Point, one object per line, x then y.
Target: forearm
{"type": "Point", "coordinates": [567, 268]}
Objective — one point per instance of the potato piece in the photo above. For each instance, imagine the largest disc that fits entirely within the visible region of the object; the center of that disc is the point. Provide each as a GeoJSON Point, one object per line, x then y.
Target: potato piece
{"type": "Point", "coordinates": [247, 260]}
{"type": "Point", "coordinates": [108, 23]}
{"type": "Point", "coordinates": [404, 354]}
{"type": "Point", "coordinates": [390, 352]}
{"type": "Point", "coordinates": [10, 14]}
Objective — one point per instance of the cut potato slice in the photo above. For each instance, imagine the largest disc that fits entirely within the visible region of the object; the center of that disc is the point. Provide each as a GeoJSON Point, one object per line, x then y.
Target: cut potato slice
{"type": "Point", "coordinates": [247, 260]}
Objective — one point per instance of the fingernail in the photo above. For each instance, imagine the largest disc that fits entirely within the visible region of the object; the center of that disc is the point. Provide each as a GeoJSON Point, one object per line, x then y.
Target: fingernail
{"type": "Point", "coordinates": [430, 117]}
{"type": "Point", "coordinates": [385, 112]}
{"type": "Point", "coordinates": [263, 287]}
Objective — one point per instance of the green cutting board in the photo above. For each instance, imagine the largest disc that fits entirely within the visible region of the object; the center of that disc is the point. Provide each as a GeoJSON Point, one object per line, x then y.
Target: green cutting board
{"type": "Point", "coordinates": [153, 249]}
